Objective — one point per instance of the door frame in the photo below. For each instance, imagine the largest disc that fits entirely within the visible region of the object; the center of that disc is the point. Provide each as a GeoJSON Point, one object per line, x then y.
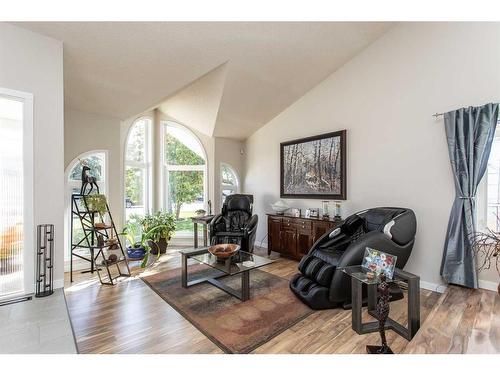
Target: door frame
{"type": "Point", "coordinates": [28, 202]}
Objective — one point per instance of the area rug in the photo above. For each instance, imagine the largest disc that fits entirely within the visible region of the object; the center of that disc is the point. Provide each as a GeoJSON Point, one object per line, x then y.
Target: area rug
{"type": "Point", "coordinates": [235, 326]}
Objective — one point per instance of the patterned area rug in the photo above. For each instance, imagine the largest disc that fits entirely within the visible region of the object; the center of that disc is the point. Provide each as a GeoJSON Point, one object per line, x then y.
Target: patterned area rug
{"type": "Point", "coordinates": [235, 326]}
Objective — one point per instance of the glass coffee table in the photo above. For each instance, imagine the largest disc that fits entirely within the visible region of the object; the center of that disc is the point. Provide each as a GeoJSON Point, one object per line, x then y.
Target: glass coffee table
{"type": "Point", "coordinates": [240, 263]}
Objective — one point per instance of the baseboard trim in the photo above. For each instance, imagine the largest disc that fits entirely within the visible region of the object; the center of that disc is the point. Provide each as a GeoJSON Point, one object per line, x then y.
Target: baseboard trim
{"type": "Point", "coordinates": [59, 283]}
{"type": "Point", "coordinates": [488, 285]}
{"type": "Point", "coordinates": [440, 288]}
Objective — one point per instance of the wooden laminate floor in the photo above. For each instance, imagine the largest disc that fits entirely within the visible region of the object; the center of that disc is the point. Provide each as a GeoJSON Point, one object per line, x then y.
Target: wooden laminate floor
{"type": "Point", "coordinates": [131, 318]}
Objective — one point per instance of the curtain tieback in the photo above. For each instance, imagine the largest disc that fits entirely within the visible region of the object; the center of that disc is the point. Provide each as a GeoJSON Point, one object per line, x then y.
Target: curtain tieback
{"type": "Point", "coordinates": [466, 197]}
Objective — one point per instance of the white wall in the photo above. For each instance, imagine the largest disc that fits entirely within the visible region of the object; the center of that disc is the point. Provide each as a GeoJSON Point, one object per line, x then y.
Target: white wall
{"type": "Point", "coordinates": [227, 151]}
{"type": "Point", "coordinates": [397, 152]}
{"type": "Point", "coordinates": [87, 131]}
{"type": "Point", "coordinates": [33, 63]}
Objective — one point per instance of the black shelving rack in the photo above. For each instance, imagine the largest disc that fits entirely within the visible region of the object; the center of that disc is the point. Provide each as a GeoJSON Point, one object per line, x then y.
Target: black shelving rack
{"type": "Point", "coordinates": [87, 219]}
{"type": "Point", "coordinates": [44, 260]}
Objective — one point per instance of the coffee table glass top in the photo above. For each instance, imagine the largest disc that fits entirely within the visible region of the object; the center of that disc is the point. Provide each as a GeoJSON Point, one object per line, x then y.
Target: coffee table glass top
{"type": "Point", "coordinates": [239, 262]}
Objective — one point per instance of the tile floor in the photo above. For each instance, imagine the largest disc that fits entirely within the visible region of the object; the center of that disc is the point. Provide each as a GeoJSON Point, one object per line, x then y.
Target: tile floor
{"type": "Point", "coordinates": [41, 326]}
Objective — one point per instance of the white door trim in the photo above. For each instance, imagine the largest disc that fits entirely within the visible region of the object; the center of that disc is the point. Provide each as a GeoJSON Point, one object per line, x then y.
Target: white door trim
{"type": "Point", "coordinates": [28, 203]}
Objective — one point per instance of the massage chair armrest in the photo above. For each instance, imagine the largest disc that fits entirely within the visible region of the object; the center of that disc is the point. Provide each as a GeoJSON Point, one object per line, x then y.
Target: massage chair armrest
{"type": "Point", "coordinates": [324, 238]}
{"type": "Point", "coordinates": [215, 224]}
{"type": "Point", "coordinates": [251, 225]}
{"type": "Point", "coordinates": [353, 256]}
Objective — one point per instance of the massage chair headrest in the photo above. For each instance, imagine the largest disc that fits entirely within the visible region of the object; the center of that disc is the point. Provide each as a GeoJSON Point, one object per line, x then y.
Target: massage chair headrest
{"type": "Point", "coordinates": [238, 202]}
{"type": "Point", "coordinates": [399, 224]}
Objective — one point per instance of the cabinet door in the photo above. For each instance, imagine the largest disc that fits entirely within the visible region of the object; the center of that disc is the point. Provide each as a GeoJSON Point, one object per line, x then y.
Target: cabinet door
{"type": "Point", "coordinates": [319, 228]}
{"type": "Point", "coordinates": [289, 242]}
{"type": "Point", "coordinates": [304, 242]}
{"type": "Point", "coordinates": [273, 234]}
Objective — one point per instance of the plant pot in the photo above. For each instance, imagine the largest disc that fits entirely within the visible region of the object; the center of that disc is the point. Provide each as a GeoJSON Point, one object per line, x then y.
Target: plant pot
{"type": "Point", "coordinates": [160, 245]}
{"type": "Point", "coordinates": [136, 253]}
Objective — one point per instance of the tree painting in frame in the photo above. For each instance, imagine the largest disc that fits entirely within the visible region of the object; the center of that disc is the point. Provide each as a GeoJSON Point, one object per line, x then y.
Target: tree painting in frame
{"type": "Point", "coordinates": [314, 167]}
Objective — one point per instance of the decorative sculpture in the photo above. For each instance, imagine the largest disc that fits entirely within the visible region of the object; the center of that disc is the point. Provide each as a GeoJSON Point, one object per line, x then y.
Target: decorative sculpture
{"type": "Point", "coordinates": [382, 314]}
{"type": "Point", "coordinates": [87, 180]}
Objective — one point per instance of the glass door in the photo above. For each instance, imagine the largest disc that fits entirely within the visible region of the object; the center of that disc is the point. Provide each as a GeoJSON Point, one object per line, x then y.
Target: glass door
{"type": "Point", "coordinates": [16, 225]}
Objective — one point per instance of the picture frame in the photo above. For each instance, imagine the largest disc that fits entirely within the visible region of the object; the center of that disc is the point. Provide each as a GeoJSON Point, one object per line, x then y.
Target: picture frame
{"type": "Point", "coordinates": [379, 262]}
{"type": "Point", "coordinates": [313, 212]}
{"type": "Point", "coordinates": [314, 167]}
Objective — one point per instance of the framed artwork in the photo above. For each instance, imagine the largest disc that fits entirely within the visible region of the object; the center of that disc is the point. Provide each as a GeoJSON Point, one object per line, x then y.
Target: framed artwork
{"type": "Point", "coordinates": [379, 262]}
{"type": "Point", "coordinates": [314, 167]}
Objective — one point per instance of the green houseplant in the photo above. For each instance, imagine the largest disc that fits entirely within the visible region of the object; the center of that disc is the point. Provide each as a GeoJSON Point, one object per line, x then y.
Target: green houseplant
{"type": "Point", "coordinates": [158, 229]}
{"type": "Point", "coordinates": [136, 248]}
{"type": "Point", "coordinates": [96, 203]}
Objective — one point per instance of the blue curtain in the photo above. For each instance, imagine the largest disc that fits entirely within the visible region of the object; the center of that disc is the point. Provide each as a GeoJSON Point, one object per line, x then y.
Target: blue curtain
{"type": "Point", "coordinates": [469, 132]}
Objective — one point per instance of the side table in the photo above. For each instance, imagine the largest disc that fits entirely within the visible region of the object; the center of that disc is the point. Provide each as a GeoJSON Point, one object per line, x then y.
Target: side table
{"type": "Point", "coordinates": [204, 221]}
{"type": "Point", "coordinates": [358, 278]}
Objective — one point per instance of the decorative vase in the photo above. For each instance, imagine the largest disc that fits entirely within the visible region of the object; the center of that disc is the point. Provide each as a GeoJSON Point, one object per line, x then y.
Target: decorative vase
{"type": "Point", "coordinates": [136, 253]}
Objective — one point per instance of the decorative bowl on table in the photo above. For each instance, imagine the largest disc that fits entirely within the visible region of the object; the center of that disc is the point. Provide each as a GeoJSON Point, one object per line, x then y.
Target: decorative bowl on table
{"type": "Point", "coordinates": [223, 251]}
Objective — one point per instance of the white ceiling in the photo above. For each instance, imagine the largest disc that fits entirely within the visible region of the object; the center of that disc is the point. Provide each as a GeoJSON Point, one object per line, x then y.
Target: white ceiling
{"type": "Point", "coordinates": [123, 68]}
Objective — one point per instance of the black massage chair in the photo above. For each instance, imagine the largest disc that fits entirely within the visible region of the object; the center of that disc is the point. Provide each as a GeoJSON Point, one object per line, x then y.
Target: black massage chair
{"type": "Point", "coordinates": [235, 224]}
{"type": "Point", "coordinates": [321, 284]}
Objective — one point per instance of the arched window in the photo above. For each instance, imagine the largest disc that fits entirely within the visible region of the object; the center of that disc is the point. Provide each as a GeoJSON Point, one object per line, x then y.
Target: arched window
{"type": "Point", "coordinates": [138, 168]}
{"type": "Point", "coordinates": [96, 160]}
{"type": "Point", "coordinates": [229, 182]}
{"type": "Point", "coordinates": [184, 175]}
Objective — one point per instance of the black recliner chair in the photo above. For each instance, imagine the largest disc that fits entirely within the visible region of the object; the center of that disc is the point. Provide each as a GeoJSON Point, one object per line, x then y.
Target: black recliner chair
{"type": "Point", "coordinates": [235, 224]}
{"type": "Point", "coordinates": [321, 284]}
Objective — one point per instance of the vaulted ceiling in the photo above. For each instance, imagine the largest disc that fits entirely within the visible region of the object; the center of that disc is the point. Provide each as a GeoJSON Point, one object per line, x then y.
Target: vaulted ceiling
{"type": "Point", "coordinates": [225, 78]}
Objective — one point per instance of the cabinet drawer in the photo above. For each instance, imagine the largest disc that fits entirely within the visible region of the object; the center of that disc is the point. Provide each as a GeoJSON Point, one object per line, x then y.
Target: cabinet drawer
{"type": "Point", "coordinates": [303, 224]}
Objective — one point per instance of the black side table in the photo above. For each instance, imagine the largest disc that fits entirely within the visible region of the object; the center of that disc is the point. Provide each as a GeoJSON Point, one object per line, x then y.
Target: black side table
{"type": "Point", "coordinates": [358, 278]}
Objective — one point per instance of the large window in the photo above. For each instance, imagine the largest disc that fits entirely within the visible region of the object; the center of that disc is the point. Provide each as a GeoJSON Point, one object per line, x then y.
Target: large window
{"type": "Point", "coordinates": [16, 210]}
{"type": "Point", "coordinates": [488, 195]}
{"type": "Point", "coordinates": [229, 183]}
{"type": "Point", "coordinates": [96, 161]}
{"type": "Point", "coordinates": [184, 174]}
{"type": "Point", "coordinates": [138, 169]}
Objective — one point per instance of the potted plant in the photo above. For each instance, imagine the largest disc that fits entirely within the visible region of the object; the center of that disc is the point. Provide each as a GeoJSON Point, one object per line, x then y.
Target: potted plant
{"type": "Point", "coordinates": [200, 212]}
{"type": "Point", "coordinates": [97, 203]}
{"type": "Point", "coordinates": [134, 236]}
{"type": "Point", "coordinates": [158, 229]}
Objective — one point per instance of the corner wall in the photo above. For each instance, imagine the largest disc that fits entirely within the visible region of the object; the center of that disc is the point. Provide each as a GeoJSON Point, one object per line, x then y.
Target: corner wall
{"type": "Point", "coordinates": [85, 132]}
{"type": "Point", "coordinates": [33, 63]}
{"type": "Point", "coordinates": [397, 152]}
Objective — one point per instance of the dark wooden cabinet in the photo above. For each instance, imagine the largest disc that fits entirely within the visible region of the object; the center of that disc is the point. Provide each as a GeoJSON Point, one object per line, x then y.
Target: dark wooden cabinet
{"type": "Point", "coordinates": [293, 236]}
{"type": "Point", "coordinates": [274, 233]}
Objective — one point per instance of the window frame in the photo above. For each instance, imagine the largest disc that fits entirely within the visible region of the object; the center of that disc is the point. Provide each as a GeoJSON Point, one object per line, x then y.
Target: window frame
{"type": "Point", "coordinates": [145, 166]}
{"type": "Point", "coordinates": [223, 186]}
{"type": "Point", "coordinates": [28, 189]}
{"type": "Point", "coordinates": [165, 167]}
{"type": "Point", "coordinates": [482, 195]}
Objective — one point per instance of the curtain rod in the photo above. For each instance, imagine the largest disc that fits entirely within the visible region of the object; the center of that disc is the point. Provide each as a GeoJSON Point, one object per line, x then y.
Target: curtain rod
{"type": "Point", "coordinates": [438, 114]}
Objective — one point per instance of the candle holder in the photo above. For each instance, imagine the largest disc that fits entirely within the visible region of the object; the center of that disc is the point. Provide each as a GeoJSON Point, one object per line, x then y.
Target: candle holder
{"type": "Point", "coordinates": [326, 209]}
